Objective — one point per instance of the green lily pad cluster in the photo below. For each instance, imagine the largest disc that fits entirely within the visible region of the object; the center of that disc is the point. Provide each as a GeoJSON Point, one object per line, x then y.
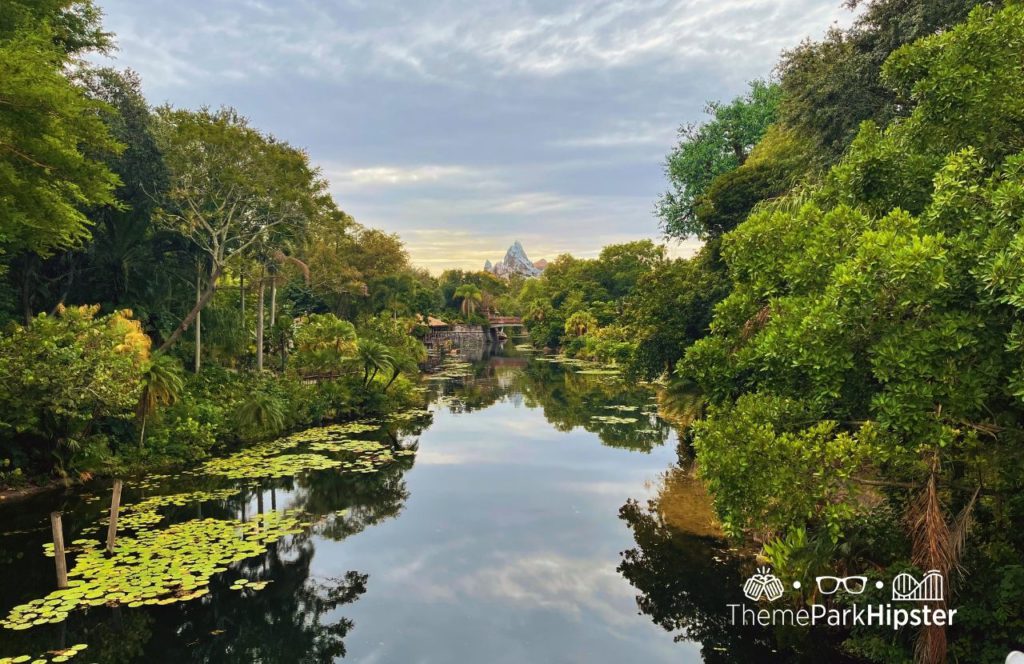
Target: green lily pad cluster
{"type": "Point", "coordinates": [62, 655]}
{"type": "Point", "coordinates": [451, 369]}
{"type": "Point", "coordinates": [409, 415]}
{"type": "Point", "coordinates": [156, 566]}
{"type": "Point", "coordinates": [600, 372]}
{"type": "Point", "coordinates": [144, 513]}
{"type": "Point", "coordinates": [244, 465]}
{"type": "Point", "coordinates": [369, 455]}
{"type": "Point", "coordinates": [348, 427]}
{"type": "Point", "coordinates": [614, 419]}
{"type": "Point", "coordinates": [566, 360]}
{"type": "Point", "coordinates": [622, 408]}
{"type": "Point", "coordinates": [246, 584]}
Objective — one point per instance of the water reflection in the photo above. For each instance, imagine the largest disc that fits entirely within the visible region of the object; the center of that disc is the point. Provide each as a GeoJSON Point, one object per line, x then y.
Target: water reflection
{"type": "Point", "coordinates": [498, 541]}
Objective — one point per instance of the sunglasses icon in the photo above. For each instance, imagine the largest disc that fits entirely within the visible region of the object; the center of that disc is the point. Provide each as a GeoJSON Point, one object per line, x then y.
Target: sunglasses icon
{"type": "Point", "coordinates": [830, 585]}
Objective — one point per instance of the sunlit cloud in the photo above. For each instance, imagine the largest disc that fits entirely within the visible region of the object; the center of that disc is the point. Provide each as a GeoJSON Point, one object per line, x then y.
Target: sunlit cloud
{"type": "Point", "coordinates": [395, 175]}
{"type": "Point", "coordinates": [478, 122]}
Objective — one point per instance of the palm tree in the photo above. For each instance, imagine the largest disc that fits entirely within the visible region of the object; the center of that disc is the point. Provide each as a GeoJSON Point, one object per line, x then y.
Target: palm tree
{"type": "Point", "coordinates": [260, 413]}
{"type": "Point", "coordinates": [375, 357]}
{"type": "Point", "coordinates": [162, 385]}
{"type": "Point", "coordinates": [471, 296]}
{"type": "Point", "coordinates": [580, 323]}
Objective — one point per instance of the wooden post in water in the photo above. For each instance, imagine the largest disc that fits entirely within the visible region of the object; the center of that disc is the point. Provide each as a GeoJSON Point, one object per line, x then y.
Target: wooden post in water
{"type": "Point", "coordinates": [259, 506]}
{"type": "Point", "coordinates": [58, 550]}
{"type": "Point", "coordinates": [115, 505]}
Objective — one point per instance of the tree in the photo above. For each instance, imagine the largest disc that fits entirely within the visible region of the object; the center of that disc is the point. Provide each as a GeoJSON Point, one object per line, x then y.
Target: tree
{"type": "Point", "coordinates": [230, 188]}
{"type": "Point", "coordinates": [707, 150]}
{"type": "Point", "coordinates": [775, 164]}
{"type": "Point", "coordinates": [375, 357]}
{"type": "Point", "coordinates": [162, 385]}
{"type": "Point", "coordinates": [74, 25]}
{"type": "Point", "coordinates": [52, 142]}
{"type": "Point", "coordinates": [471, 296]}
{"type": "Point", "coordinates": [324, 343]}
{"type": "Point", "coordinates": [671, 308]}
{"type": "Point", "coordinates": [65, 374]}
{"type": "Point", "coordinates": [580, 323]}
{"type": "Point", "coordinates": [873, 330]}
{"type": "Point", "coordinates": [831, 87]}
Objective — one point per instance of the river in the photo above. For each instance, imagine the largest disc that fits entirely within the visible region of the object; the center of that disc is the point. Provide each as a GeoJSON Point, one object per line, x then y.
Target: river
{"type": "Point", "coordinates": [544, 516]}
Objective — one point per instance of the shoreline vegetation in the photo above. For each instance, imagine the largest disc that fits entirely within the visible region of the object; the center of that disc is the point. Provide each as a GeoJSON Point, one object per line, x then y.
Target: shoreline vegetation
{"type": "Point", "coordinates": [844, 356]}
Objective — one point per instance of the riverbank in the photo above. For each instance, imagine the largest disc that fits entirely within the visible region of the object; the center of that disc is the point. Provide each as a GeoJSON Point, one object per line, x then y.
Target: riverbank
{"type": "Point", "coordinates": [216, 412]}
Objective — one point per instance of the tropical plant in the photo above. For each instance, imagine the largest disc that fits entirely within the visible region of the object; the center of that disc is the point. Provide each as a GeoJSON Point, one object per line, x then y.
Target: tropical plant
{"type": "Point", "coordinates": [471, 296]}
{"type": "Point", "coordinates": [579, 323]}
{"type": "Point", "coordinates": [260, 414]}
{"type": "Point", "coordinates": [64, 375]}
{"type": "Point", "coordinates": [374, 357]}
{"type": "Point", "coordinates": [324, 343]}
{"type": "Point", "coordinates": [162, 384]}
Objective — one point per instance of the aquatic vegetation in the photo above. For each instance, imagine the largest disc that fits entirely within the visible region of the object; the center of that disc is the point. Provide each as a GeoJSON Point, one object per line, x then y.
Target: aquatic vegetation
{"type": "Point", "coordinates": [614, 419]}
{"type": "Point", "coordinates": [623, 408]}
{"type": "Point", "coordinates": [246, 584]}
{"type": "Point", "coordinates": [62, 655]}
{"type": "Point", "coordinates": [245, 465]}
{"type": "Point", "coordinates": [144, 513]}
{"type": "Point", "coordinates": [451, 369]}
{"type": "Point", "coordinates": [156, 566]}
{"type": "Point", "coordinates": [600, 372]}
{"type": "Point", "coordinates": [409, 415]}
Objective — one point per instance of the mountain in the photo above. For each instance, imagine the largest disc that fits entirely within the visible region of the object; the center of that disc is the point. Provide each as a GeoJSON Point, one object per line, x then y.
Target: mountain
{"type": "Point", "coordinates": [516, 262]}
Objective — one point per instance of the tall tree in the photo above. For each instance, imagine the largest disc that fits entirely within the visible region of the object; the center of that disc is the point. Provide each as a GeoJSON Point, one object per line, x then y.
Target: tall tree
{"type": "Point", "coordinates": [709, 149]}
{"type": "Point", "coordinates": [52, 139]}
{"type": "Point", "coordinates": [830, 87]}
{"type": "Point", "coordinates": [231, 187]}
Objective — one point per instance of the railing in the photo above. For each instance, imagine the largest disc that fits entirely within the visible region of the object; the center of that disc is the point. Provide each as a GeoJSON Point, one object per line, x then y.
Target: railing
{"type": "Point", "coordinates": [504, 320]}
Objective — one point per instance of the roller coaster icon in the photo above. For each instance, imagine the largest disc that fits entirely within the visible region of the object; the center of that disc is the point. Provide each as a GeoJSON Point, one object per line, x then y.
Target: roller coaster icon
{"type": "Point", "coordinates": [905, 588]}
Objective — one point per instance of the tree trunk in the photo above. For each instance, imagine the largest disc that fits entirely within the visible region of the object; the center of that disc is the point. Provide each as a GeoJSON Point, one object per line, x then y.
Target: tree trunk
{"type": "Point", "coordinates": [27, 273]}
{"type": "Point", "coordinates": [259, 325]}
{"type": "Point", "coordinates": [241, 295]}
{"type": "Point", "coordinates": [393, 377]}
{"type": "Point", "coordinates": [273, 303]}
{"type": "Point", "coordinates": [199, 321]}
{"type": "Point", "coordinates": [211, 287]}
{"type": "Point", "coordinates": [142, 433]}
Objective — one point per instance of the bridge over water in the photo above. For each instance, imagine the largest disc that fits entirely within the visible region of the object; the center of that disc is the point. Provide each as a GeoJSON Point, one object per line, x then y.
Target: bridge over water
{"type": "Point", "coordinates": [497, 324]}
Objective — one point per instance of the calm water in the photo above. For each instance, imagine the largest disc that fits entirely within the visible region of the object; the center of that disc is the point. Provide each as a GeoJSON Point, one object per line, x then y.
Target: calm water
{"type": "Point", "coordinates": [523, 530]}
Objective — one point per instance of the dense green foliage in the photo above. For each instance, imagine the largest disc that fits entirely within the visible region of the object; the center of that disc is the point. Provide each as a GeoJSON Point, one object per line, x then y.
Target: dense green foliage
{"type": "Point", "coordinates": [872, 329]}
{"type": "Point", "coordinates": [159, 239]}
{"type": "Point", "coordinates": [631, 306]}
{"type": "Point", "coordinates": [853, 321]}
{"type": "Point", "coordinates": [706, 151]}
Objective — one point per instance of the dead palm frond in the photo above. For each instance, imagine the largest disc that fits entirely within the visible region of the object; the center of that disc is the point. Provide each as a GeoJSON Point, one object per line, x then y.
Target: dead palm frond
{"type": "Point", "coordinates": [936, 544]}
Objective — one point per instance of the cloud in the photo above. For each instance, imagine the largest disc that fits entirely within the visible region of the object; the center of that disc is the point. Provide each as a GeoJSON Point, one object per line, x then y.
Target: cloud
{"type": "Point", "coordinates": [395, 175]}
{"type": "Point", "coordinates": [483, 121]}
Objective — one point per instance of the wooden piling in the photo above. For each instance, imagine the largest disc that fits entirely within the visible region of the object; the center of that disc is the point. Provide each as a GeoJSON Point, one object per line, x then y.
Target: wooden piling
{"type": "Point", "coordinates": [58, 550]}
{"type": "Point", "coordinates": [115, 506]}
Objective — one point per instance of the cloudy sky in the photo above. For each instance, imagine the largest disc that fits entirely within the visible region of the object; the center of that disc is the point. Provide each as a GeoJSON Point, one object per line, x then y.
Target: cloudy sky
{"type": "Point", "coordinates": [463, 125]}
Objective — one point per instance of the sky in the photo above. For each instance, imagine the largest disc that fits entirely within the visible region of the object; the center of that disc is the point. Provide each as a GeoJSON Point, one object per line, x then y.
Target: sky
{"type": "Point", "coordinates": [464, 125]}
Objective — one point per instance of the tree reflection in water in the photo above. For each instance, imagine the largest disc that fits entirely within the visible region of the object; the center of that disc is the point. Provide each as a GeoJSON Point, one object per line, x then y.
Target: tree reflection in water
{"type": "Point", "coordinates": [680, 566]}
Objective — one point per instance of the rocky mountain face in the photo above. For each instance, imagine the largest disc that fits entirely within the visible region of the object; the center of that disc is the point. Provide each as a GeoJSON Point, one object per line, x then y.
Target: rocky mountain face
{"type": "Point", "coordinates": [516, 262]}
